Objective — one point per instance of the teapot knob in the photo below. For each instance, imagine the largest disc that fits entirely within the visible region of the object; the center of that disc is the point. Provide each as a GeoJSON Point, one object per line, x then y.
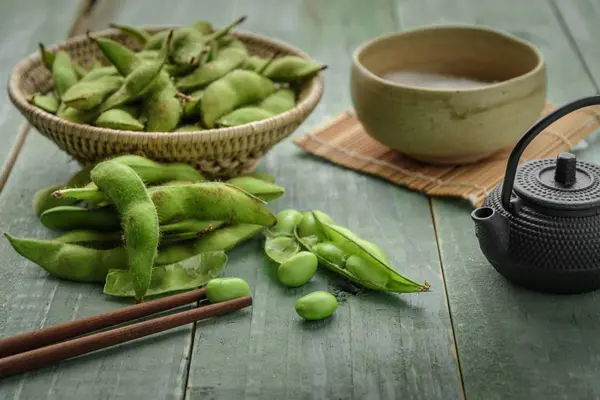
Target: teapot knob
{"type": "Point", "coordinates": [566, 164]}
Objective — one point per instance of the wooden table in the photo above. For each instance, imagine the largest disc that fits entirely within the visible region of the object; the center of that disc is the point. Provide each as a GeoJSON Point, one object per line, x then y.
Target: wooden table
{"type": "Point", "coordinates": [474, 336]}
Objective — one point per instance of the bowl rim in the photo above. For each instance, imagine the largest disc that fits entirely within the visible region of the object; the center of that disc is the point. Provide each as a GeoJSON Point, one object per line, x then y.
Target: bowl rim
{"type": "Point", "coordinates": [456, 27]}
{"type": "Point", "coordinates": [313, 95]}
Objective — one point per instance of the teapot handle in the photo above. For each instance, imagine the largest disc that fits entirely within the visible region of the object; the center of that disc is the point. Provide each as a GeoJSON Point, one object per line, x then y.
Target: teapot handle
{"type": "Point", "coordinates": [538, 127]}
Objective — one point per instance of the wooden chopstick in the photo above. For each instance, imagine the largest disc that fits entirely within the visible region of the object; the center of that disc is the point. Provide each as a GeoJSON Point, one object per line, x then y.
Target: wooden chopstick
{"type": "Point", "coordinates": [61, 351]}
{"type": "Point", "coordinates": [56, 333]}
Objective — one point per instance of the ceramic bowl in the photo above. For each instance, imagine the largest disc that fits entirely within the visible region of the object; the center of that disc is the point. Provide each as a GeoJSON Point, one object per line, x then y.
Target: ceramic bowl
{"type": "Point", "coordinates": [452, 124]}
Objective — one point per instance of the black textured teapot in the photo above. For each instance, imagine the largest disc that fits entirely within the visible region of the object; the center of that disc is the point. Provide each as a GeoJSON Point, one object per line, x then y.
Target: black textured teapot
{"type": "Point", "coordinates": [540, 228]}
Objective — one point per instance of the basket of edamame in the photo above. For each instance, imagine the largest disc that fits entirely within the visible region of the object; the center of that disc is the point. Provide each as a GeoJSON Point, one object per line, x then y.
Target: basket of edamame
{"type": "Point", "coordinates": [211, 97]}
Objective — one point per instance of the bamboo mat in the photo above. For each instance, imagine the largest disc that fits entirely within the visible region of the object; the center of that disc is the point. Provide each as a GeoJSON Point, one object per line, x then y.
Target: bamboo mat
{"type": "Point", "coordinates": [343, 141]}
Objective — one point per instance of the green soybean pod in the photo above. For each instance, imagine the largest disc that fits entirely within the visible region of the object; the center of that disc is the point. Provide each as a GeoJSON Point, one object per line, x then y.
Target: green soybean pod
{"type": "Point", "coordinates": [138, 34]}
{"type": "Point", "coordinates": [223, 289]}
{"type": "Point", "coordinates": [191, 109]}
{"type": "Point", "coordinates": [123, 59]}
{"type": "Point", "coordinates": [63, 73]}
{"type": "Point", "coordinates": [70, 261]}
{"type": "Point", "coordinates": [255, 63]}
{"type": "Point", "coordinates": [46, 103]}
{"type": "Point", "coordinates": [316, 305]}
{"type": "Point", "coordinates": [280, 101]}
{"type": "Point", "coordinates": [204, 27]}
{"type": "Point", "coordinates": [156, 41]}
{"type": "Point", "coordinates": [191, 225]}
{"type": "Point", "coordinates": [139, 218]}
{"type": "Point", "coordinates": [236, 89]}
{"type": "Point", "coordinates": [259, 188]}
{"type": "Point", "coordinates": [46, 56]}
{"type": "Point", "coordinates": [370, 272]}
{"type": "Point", "coordinates": [99, 73]}
{"type": "Point", "coordinates": [291, 68]}
{"type": "Point", "coordinates": [286, 222]}
{"type": "Point", "coordinates": [120, 119]}
{"type": "Point", "coordinates": [163, 110]}
{"type": "Point", "coordinates": [43, 200]}
{"type": "Point", "coordinates": [77, 116]}
{"type": "Point", "coordinates": [298, 269]}
{"type": "Point", "coordinates": [87, 95]}
{"type": "Point", "coordinates": [244, 115]}
{"type": "Point", "coordinates": [72, 217]}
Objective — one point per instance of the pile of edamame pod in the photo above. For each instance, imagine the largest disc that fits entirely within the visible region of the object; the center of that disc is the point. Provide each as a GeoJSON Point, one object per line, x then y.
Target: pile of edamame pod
{"type": "Point", "coordinates": [145, 228]}
{"type": "Point", "coordinates": [186, 79]}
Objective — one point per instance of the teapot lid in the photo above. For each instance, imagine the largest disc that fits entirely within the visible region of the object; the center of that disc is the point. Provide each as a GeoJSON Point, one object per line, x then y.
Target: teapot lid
{"type": "Point", "coordinates": [562, 183]}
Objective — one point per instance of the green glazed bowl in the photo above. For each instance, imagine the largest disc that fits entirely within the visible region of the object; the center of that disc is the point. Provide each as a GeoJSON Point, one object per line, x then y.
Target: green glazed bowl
{"type": "Point", "coordinates": [455, 124]}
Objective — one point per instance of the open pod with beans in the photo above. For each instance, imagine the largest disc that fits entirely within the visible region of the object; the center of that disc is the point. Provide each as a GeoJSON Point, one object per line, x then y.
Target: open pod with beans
{"type": "Point", "coordinates": [190, 78]}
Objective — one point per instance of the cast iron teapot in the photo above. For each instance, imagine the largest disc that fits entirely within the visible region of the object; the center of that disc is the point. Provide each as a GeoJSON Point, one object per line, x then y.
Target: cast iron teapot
{"type": "Point", "coordinates": [540, 228]}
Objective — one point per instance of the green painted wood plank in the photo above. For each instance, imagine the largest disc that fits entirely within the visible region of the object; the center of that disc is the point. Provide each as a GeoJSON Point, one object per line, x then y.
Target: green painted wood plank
{"type": "Point", "coordinates": [513, 343]}
{"type": "Point", "coordinates": [22, 25]}
{"type": "Point", "coordinates": [377, 346]}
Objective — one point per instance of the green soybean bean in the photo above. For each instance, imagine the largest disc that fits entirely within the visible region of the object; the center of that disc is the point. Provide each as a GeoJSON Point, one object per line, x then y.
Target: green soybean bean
{"type": "Point", "coordinates": [236, 89]}
{"type": "Point", "coordinates": [163, 110]}
{"type": "Point", "coordinates": [47, 103]}
{"type": "Point", "coordinates": [259, 188]}
{"type": "Point", "coordinates": [191, 109]}
{"type": "Point", "coordinates": [331, 253]}
{"type": "Point", "coordinates": [227, 60]}
{"type": "Point", "coordinates": [63, 73]}
{"type": "Point", "coordinates": [308, 226]}
{"type": "Point", "coordinates": [100, 73]}
{"type": "Point", "coordinates": [316, 305]}
{"type": "Point", "coordinates": [139, 218]}
{"type": "Point", "coordinates": [223, 289]}
{"type": "Point", "coordinates": [370, 272]}
{"type": "Point", "coordinates": [70, 261]}
{"type": "Point", "coordinates": [222, 239]}
{"type": "Point", "coordinates": [191, 273]}
{"type": "Point", "coordinates": [87, 95]}
{"type": "Point", "coordinates": [280, 101]}
{"type": "Point", "coordinates": [72, 217]}
{"type": "Point", "coordinates": [138, 82]}
{"type": "Point", "coordinates": [286, 222]}
{"type": "Point", "coordinates": [138, 34]}
{"type": "Point", "coordinates": [244, 115]}
{"type": "Point", "coordinates": [292, 68]}
{"type": "Point", "coordinates": [120, 119]}
{"type": "Point", "coordinates": [123, 59]}
{"type": "Point", "coordinates": [298, 269]}
{"type": "Point", "coordinates": [46, 56]}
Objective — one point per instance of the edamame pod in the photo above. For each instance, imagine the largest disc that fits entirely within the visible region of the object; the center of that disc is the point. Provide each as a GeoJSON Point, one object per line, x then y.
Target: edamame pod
{"type": "Point", "coordinates": [46, 56]}
{"type": "Point", "coordinates": [280, 101]}
{"type": "Point", "coordinates": [87, 95]}
{"type": "Point", "coordinates": [138, 34]}
{"type": "Point", "coordinates": [163, 110]}
{"type": "Point", "coordinates": [124, 60]}
{"type": "Point", "coordinates": [237, 88]}
{"type": "Point", "coordinates": [73, 217]}
{"type": "Point", "coordinates": [70, 261]}
{"type": "Point", "coordinates": [43, 200]}
{"type": "Point", "coordinates": [255, 63]}
{"type": "Point", "coordinates": [46, 103]}
{"type": "Point", "coordinates": [259, 188]}
{"type": "Point", "coordinates": [191, 109]}
{"type": "Point", "coordinates": [138, 216]}
{"type": "Point", "coordinates": [331, 253]}
{"type": "Point", "coordinates": [191, 225]}
{"type": "Point", "coordinates": [316, 305]}
{"type": "Point", "coordinates": [188, 274]}
{"type": "Point", "coordinates": [77, 116]}
{"type": "Point", "coordinates": [63, 73]}
{"type": "Point", "coordinates": [291, 68]}
{"type": "Point", "coordinates": [120, 119]}
{"type": "Point", "coordinates": [223, 289]}
{"type": "Point", "coordinates": [99, 73]}
{"type": "Point", "coordinates": [308, 226]}
{"type": "Point", "coordinates": [243, 115]}
{"type": "Point", "coordinates": [93, 239]}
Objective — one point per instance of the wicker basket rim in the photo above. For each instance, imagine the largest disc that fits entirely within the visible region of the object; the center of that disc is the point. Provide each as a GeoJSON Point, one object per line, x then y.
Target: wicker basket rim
{"type": "Point", "coordinates": [309, 101]}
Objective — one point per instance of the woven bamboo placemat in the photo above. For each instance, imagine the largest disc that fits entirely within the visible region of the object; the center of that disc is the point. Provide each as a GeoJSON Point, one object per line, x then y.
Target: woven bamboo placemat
{"type": "Point", "coordinates": [343, 141]}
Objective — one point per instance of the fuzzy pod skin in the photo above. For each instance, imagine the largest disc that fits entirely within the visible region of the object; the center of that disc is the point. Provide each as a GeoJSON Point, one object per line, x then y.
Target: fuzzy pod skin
{"type": "Point", "coordinates": [153, 172]}
{"type": "Point", "coordinates": [243, 115]}
{"type": "Point", "coordinates": [120, 56]}
{"type": "Point", "coordinates": [316, 305]}
{"type": "Point", "coordinates": [222, 239]}
{"type": "Point", "coordinates": [138, 215]}
{"type": "Point", "coordinates": [138, 34]}
{"type": "Point", "coordinates": [191, 109]}
{"type": "Point", "coordinates": [99, 73]}
{"type": "Point", "coordinates": [70, 261]}
{"type": "Point", "coordinates": [65, 218]}
{"type": "Point", "coordinates": [87, 95]}
{"type": "Point", "coordinates": [43, 200]}
{"type": "Point", "coordinates": [257, 187]}
{"type": "Point", "coordinates": [46, 56]}
{"type": "Point", "coordinates": [280, 101]}
{"type": "Point", "coordinates": [63, 73]}
{"type": "Point", "coordinates": [255, 63]}
{"type": "Point", "coordinates": [77, 116]}
{"type": "Point", "coordinates": [191, 225]}
{"type": "Point", "coordinates": [236, 89]}
{"type": "Point", "coordinates": [163, 110]}
{"type": "Point", "coordinates": [155, 42]}
{"type": "Point", "coordinates": [223, 289]}
{"type": "Point", "coordinates": [291, 68]}
{"type": "Point", "coordinates": [298, 270]}
{"type": "Point", "coordinates": [119, 119]}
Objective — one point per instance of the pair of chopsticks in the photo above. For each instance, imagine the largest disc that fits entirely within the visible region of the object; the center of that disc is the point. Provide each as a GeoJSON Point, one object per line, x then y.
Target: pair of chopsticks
{"type": "Point", "coordinates": [42, 347]}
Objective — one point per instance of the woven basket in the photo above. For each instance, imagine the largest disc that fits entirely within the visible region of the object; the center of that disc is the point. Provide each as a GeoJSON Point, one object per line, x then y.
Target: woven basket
{"type": "Point", "coordinates": [219, 153]}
